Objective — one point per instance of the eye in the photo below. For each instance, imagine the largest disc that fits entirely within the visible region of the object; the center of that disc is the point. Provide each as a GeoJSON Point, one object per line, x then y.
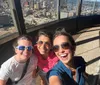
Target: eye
{"type": "Point", "coordinates": [20, 47]}
{"type": "Point", "coordinates": [29, 48]}
{"type": "Point", "coordinates": [65, 45]}
{"type": "Point", "coordinates": [47, 43]}
{"type": "Point", "coordinates": [40, 42]}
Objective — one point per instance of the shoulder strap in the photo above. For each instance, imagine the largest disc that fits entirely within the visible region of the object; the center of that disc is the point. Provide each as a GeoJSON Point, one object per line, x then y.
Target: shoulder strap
{"type": "Point", "coordinates": [24, 71]}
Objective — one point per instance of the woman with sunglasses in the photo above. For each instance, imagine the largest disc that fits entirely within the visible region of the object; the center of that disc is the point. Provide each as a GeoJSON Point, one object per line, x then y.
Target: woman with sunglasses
{"type": "Point", "coordinates": [46, 57]}
{"type": "Point", "coordinates": [69, 70]}
{"type": "Point", "coordinates": [13, 68]}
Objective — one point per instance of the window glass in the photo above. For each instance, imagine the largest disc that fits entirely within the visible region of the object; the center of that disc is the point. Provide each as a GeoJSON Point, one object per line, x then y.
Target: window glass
{"type": "Point", "coordinates": [6, 22]}
{"type": "Point", "coordinates": [89, 7]}
{"type": "Point", "coordinates": [38, 12]}
{"type": "Point", "coordinates": [97, 7]}
{"type": "Point", "coordinates": [68, 8]}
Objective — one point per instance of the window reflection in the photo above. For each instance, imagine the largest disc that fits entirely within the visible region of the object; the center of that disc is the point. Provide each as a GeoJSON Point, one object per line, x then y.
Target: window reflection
{"type": "Point", "coordinates": [38, 12]}
{"type": "Point", "coordinates": [97, 7]}
{"type": "Point", "coordinates": [87, 7]}
{"type": "Point", "coordinates": [68, 8]}
{"type": "Point", "coordinates": [90, 7]}
{"type": "Point", "coordinates": [6, 22]}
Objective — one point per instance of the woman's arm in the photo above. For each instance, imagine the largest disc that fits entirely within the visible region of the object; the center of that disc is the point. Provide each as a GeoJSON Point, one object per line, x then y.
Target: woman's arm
{"type": "Point", "coordinates": [35, 72]}
{"type": "Point", "coordinates": [2, 82]}
{"type": "Point", "coordinates": [43, 80]}
{"type": "Point", "coordinates": [54, 80]}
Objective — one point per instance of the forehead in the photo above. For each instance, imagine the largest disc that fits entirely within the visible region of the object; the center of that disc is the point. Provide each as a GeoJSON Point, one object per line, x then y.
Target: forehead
{"type": "Point", "coordinates": [24, 42]}
{"type": "Point", "coordinates": [60, 39]}
{"type": "Point", "coordinates": [43, 38]}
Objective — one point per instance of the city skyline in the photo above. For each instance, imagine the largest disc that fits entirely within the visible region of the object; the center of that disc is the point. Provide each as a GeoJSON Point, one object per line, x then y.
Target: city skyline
{"type": "Point", "coordinates": [92, 0]}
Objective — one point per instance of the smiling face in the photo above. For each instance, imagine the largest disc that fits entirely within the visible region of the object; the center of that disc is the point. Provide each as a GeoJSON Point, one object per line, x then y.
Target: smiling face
{"type": "Point", "coordinates": [64, 53]}
{"type": "Point", "coordinates": [23, 54]}
{"type": "Point", "coordinates": [44, 45]}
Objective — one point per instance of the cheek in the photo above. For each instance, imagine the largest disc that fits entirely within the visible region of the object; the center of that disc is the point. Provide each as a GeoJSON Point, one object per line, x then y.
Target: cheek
{"type": "Point", "coordinates": [57, 54]}
{"type": "Point", "coordinates": [70, 53]}
{"type": "Point", "coordinates": [48, 48]}
{"type": "Point", "coordinates": [69, 50]}
{"type": "Point", "coordinates": [18, 51]}
{"type": "Point", "coordinates": [38, 46]}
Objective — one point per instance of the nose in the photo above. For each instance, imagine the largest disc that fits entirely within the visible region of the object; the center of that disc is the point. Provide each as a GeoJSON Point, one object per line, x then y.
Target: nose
{"type": "Point", "coordinates": [43, 46]}
{"type": "Point", "coordinates": [61, 49]}
{"type": "Point", "coordinates": [26, 50]}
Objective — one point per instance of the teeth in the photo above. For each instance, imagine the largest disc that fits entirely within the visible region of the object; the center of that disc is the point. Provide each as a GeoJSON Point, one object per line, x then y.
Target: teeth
{"type": "Point", "coordinates": [63, 55]}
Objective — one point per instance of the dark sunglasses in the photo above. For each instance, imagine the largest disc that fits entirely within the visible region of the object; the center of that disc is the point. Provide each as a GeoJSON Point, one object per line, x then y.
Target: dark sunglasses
{"type": "Point", "coordinates": [64, 45]}
{"type": "Point", "coordinates": [41, 42]}
{"type": "Point", "coordinates": [29, 48]}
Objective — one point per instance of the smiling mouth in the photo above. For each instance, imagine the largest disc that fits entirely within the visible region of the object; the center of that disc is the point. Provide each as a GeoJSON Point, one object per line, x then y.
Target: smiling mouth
{"type": "Point", "coordinates": [25, 55]}
{"type": "Point", "coordinates": [63, 55]}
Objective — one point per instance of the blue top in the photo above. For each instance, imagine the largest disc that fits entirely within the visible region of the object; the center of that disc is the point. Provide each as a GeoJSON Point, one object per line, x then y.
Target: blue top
{"type": "Point", "coordinates": [65, 74]}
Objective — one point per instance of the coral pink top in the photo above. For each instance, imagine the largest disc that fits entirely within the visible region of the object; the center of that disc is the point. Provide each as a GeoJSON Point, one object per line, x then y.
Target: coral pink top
{"type": "Point", "coordinates": [47, 64]}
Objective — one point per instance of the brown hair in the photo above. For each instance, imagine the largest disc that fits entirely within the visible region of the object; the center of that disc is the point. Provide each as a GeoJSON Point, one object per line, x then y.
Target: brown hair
{"type": "Point", "coordinates": [62, 31]}
{"type": "Point", "coordinates": [45, 33]}
{"type": "Point", "coordinates": [22, 37]}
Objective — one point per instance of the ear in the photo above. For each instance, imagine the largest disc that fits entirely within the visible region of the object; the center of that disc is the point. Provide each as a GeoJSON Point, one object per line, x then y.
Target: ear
{"type": "Point", "coordinates": [16, 50]}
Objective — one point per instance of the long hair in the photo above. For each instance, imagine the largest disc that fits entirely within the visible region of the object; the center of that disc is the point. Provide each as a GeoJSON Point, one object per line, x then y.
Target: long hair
{"type": "Point", "coordinates": [45, 33]}
{"type": "Point", "coordinates": [62, 31]}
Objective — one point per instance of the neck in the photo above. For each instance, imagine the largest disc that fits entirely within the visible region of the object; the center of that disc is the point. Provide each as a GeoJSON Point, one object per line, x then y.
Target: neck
{"type": "Point", "coordinates": [44, 57]}
{"type": "Point", "coordinates": [70, 65]}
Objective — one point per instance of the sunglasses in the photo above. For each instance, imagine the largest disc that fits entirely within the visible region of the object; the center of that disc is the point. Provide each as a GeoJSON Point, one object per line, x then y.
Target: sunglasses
{"type": "Point", "coordinates": [64, 45]}
{"type": "Point", "coordinates": [29, 48]}
{"type": "Point", "coordinates": [41, 43]}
